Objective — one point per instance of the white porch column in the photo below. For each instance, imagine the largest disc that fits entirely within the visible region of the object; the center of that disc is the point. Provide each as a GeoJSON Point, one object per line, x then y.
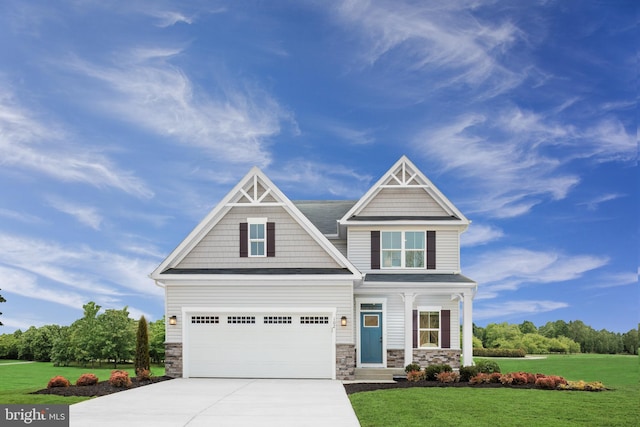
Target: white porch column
{"type": "Point", "coordinates": [408, 327]}
{"type": "Point", "coordinates": [467, 328]}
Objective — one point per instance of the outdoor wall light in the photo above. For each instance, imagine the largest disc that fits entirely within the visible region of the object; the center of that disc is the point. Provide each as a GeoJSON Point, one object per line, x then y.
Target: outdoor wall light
{"type": "Point", "coordinates": [343, 321]}
{"type": "Point", "coordinates": [173, 320]}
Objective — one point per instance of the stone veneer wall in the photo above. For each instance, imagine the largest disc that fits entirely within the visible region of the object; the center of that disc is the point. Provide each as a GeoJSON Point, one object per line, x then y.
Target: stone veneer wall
{"type": "Point", "coordinates": [395, 358]}
{"type": "Point", "coordinates": [173, 359]}
{"type": "Point", "coordinates": [437, 357]}
{"type": "Point", "coordinates": [345, 361]}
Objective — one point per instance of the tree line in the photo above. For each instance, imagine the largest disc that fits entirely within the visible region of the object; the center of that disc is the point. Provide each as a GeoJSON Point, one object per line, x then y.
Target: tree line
{"type": "Point", "coordinates": [555, 337]}
{"type": "Point", "coordinates": [95, 338]}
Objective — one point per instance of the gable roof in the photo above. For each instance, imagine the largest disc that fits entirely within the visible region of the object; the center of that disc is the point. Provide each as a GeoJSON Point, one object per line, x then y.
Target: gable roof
{"type": "Point", "coordinates": [324, 214]}
{"type": "Point", "coordinates": [405, 176]}
{"type": "Point", "coordinates": [254, 190]}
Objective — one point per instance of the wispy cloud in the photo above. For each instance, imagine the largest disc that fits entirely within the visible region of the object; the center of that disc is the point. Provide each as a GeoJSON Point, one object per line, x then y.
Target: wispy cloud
{"type": "Point", "coordinates": [86, 215]}
{"type": "Point", "coordinates": [506, 309]}
{"type": "Point", "coordinates": [616, 280]}
{"type": "Point", "coordinates": [42, 145]}
{"type": "Point", "coordinates": [25, 284]}
{"type": "Point", "coordinates": [595, 203]}
{"type": "Point", "coordinates": [20, 216]}
{"type": "Point", "coordinates": [511, 268]}
{"type": "Point", "coordinates": [480, 235]}
{"type": "Point", "coordinates": [232, 122]}
{"type": "Point", "coordinates": [432, 37]}
{"type": "Point", "coordinates": [320, 178]}
{"type": "Point", "coordinates": [516, 158]}
{"type": "Point", "coordinates": [82, 268]}
{"type": "Point", "coordinates": [170, 18]}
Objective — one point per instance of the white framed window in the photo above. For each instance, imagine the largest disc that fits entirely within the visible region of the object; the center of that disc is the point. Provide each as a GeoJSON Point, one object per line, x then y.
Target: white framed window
{"type": "Point", "coordinates": [257, 237]}
{"type": "Point", "coordinates": [403, 249]}
{"type": "Point", "coordinates": [429, 332]}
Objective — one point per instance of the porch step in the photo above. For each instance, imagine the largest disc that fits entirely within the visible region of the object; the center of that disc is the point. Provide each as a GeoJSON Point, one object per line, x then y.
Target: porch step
{"type": "Point", "coordinates": [377, 374]}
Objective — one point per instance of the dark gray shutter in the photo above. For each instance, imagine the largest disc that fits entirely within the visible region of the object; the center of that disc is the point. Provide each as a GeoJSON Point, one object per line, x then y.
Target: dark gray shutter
{"type": "Point", "coordinates": [244, 239]}
{"type": "Point", "coordinates": [445, 328]}
{"type": "Point", "coordinates": [415, 328]}
{"type": "Point", "coordinates": [271, 239]}
{"type": "Point", "coordinates": [375, 250]}
{"type": "Point", "coordinates": [431, 250]}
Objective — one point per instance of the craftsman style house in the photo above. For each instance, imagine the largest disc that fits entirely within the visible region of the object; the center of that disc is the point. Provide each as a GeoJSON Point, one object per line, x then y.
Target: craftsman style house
{"type": "Point", "coordinates": [266, 287]}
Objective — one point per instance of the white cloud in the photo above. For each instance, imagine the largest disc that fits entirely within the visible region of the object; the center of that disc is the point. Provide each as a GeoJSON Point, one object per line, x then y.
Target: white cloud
{"type": "Point", "coordinates": [479, 235]}
{"type": "Point", "coordinates": [594, 203]}
{"type": "Point", "coordinates": [102, 273]}
{"type": "Point", "coordinates": [511, 268]}
{"type": "Point", "coordinates": [86, 215]}
{"type": "Point", "coordinates": [515, 308]}
{"type": "Point", "coordinates": [170, 18]}
{"type": "Point", "coordinates": [431, 37]}
{"type": "Point", "coordinates": [34, 144]}
{"type": "Point", "coordinates": [618, 279]}
{"type": "Point", "coordinates": [20, 216]}
{"type": "Point", "coordinates": [317, 177]}
{"type": "Point", "coordinates": [25, 284]}
{"type": "Point", "coordinates": [515, 158]}
{"type": "Point", "coordinates": [144, 88]}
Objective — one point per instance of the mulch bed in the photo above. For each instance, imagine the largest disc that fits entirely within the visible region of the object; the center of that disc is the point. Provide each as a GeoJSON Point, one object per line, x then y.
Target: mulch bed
{"type": "Point", "coordinates": [101, 389]}
{"type": "Point", "coordinates": [359, 387]}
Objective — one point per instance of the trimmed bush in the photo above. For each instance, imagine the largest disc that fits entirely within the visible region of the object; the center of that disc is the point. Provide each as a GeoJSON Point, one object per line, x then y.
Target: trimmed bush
{"type": "Point", "coordinates": [144, 375]}
{"type": "Point", "coordinates": [58, 382]}
{"type": "Point", "coordinates": [468, 372]}
{"type": "Point", "coordinates": [87, 379]}
{"type": "Point", "coordinates": [448, 377]}
{"type": "Point", "coordinates": [488, 366]}
{"type": "Point", "coordinates": [120, 379]}
{"type": "Point", "coordinates": [432, 370]}
{"type": "Point", "coordinates": [499, 352]}
{"type": "Point", "coordinates": [415, 376]}
{"type": "Point", "coordinates": [412, 367]}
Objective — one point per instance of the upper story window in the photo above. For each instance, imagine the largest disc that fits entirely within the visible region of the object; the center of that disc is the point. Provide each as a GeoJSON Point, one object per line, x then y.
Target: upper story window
{"type": "Point", "coordinates": [403, 249]}
{"type": "Point", "coordinates": [257, 237]}
{"type": "Point", "coordinates": [429, 327]}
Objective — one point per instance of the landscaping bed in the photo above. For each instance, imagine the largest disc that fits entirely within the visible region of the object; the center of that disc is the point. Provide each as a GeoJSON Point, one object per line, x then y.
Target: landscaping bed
{"type": "Point", "coordinates": [358, 387]}
{"type": "Point", "coordinates": [100, 389]}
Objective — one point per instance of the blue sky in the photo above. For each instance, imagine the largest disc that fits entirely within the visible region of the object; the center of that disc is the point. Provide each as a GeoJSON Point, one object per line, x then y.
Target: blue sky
{"type": "Point", "coordinates": [123, 123]}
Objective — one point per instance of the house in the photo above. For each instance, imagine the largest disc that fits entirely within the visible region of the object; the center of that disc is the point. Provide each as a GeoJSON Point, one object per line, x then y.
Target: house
{"type": "Point", "coordinates": [270, 288]}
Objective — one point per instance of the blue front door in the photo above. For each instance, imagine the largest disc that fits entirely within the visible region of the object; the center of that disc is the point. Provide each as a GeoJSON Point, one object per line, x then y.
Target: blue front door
{"type": "Point", "coordinates": [371, 337]}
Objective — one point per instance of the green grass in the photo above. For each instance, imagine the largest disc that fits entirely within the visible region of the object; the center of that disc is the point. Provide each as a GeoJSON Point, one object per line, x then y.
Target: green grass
{"type": "Point", "coordinates": [18, 381]}
{"type": "Point", "coordinates": [516, 407]}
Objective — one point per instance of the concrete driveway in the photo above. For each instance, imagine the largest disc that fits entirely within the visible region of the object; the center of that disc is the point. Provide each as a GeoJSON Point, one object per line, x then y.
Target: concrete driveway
{"type": "Point", "coordinates": [196, 402]}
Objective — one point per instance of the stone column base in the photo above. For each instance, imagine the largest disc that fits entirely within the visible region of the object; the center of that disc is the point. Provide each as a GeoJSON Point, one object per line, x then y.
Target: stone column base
{"type": "Point", "coordinates": [426, 357]}
{"type": "Point", "coordinates": [173, 359]}
{"type": "Point", "coordinates": [345, 361]}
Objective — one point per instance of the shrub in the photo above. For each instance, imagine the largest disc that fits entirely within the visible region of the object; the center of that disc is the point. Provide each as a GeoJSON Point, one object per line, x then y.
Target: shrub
{"type": "Point", "coordinates": [448, 377]}
{"type": "Point", "coordinates": [143, 374]}
{"type": "Point", "coordinates": [499, 352]}
{"type": "Point", "coordinates": [583, 386]}
{"type": "Point", "coordinates": [546, 383]}
{"type": "Point", "coordinates": [58, 382]}
{"type": "Point", "coordinates": [119, 379]}
{"type": "Point", "coordinates": [488, 366]}
{"type": "Point", "coordinates": [432, 370]}
{"type": "Point", "coordinates": [479, 379]}
{"type": "Point", "coordinates": [415, 376]}
{"type": "Point", "coordinates": [467, 372]}
{"type": "Point", "coordinates": [506, 379]}
{"type": "Point", "coordinates": [412, 367]}
{"type": "Point", "coordinates": [87, 379]}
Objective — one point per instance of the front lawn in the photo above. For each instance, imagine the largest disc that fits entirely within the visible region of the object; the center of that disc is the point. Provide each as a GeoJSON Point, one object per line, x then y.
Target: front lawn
{"type": "Point", "coordinates": [513, 407]}
{"type": "Point", "coordinates": [18, 381]}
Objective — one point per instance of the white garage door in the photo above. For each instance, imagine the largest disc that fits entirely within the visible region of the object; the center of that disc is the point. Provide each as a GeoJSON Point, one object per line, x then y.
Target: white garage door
{"type": "Point", "coordinates": [260, 345]}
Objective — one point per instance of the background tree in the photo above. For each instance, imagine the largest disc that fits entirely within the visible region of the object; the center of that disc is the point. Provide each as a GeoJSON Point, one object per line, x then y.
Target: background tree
{"type": "Point", "coordinates": [141, 361]}
{"type": "Point", "coordinates": [156, 340]}
{"type": "Point", "coordinates": [62, 353]}
{"type": "Point", "coordinates": [116, 335]}
{"type": "Point", "coordinates": [2, 300]}
{"type": "Point", "coordinates": [84, 337]}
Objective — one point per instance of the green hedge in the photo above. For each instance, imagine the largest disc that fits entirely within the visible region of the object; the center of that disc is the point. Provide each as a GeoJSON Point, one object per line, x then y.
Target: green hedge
{"type": "Point", "coordinates": [499, 352]}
